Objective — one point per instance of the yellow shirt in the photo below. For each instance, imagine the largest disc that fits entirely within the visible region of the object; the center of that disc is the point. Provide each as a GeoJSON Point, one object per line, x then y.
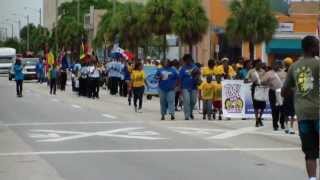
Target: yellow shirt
{"type": "Point", "coordinates": [217, 92]}
{"type": "Point", "coordinates": [207, 71]}
{"type": "Point", "coordinates": [207, 90]}
{"type": "Point", "coordinates": [137, 78]}
{"type": "Point", "coordinates": [219, 70]}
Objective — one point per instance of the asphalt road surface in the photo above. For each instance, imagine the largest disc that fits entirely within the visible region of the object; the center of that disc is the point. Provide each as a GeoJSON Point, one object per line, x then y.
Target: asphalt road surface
{"type": "Point", "coordinates": [65, 137]}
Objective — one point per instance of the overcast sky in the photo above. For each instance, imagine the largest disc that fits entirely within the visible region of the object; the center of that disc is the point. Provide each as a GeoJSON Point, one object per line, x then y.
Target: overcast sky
{"type": "Point", "coordinates": [8, 7]}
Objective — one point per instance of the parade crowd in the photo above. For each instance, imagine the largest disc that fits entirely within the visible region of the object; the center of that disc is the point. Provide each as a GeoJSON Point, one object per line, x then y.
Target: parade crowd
{"type": "Point", "coordinates": [291, 88]}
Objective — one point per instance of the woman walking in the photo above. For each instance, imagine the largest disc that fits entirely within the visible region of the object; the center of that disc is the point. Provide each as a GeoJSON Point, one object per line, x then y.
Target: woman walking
{"type": "Point", "coordinates": [138, 82]}
{"type": "Point", "coordinates": [19, 77]}
{"type": "Point", "coordinates": [259, 104]}
{"type": "Point", "coordinates": [168, 78]}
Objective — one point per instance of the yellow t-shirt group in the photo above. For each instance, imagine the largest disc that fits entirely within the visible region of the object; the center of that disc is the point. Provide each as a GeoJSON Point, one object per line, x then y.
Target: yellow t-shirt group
{"type": "Point", "coordinates": [217, 70]}
{"type": "Point", "coordinates": [211, 91]}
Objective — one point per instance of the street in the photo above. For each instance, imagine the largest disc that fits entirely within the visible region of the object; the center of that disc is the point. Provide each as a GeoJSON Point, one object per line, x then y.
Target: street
{"type": "Point", "coordinates": [65, 137]}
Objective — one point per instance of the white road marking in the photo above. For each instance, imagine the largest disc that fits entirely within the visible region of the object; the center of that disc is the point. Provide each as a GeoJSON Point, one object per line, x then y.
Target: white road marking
{"type": "Point", "coordinates": [55, 100]}
{"type": "Point", "coordinates": [50, 135]}
{"type": "Point", "coordinates": [234, 133]}
{"type": "Point", "coordinates": [285, 149]}
{"type": "Point", "coordinates": [67, 123]}
{"type": "Point", "coordinates": [72, 135]}
{"type": "Point", "coordinates": [196, 131]}
{"type": "Point", "coordinates": [76, 106]}
{"type": "Point", "coordinates": [109, 116]}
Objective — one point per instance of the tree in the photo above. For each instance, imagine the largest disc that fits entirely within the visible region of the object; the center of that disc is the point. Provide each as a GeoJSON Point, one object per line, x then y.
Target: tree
{"type": "Point", "coordinates": [158, 15]}
{"type": "Point", "coordinates": [13, 43]}
{"type": "Point", "coordinates": [190, 21]}
{"type": "Point", "coordinates": [38, 37]}
{"type": "Point", "coordinates": [251, 21]}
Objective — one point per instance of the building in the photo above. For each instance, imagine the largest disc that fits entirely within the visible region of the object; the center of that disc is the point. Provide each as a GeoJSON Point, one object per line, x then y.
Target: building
{"type": "Point", "coordinates": [50, 11]}
{"type": "Point", "coordinates": [296, 20]}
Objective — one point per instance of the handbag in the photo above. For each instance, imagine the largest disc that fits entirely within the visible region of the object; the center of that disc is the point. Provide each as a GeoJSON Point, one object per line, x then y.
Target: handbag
{"type": "Point", "coordinates": [261, 93]}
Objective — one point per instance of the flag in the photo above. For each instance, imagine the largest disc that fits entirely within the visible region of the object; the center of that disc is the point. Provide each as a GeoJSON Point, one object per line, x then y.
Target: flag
{"type": "Point", "coordinates": [50, 58]}
{"type": "Point", "coordinates": [82, 51]}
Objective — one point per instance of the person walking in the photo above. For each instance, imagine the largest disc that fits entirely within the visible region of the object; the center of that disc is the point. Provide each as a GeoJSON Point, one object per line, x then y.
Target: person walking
{"type": "Point", "coordinates": [138, 82]}
{"type": "Point", "coordinates": [206, 95]}
{"type": "Point", "coordinates": [83, 80]}
{"type": "Point", "coordinates": [273, 79]}
{"type": "Point", "coordinates": [19, 77]}
{"type": "Point", "coordinates": [40, 71]}
{"type": "Point", "coordinates": [189, 76]}
{"type": "Point", "coordinates": [217, 98]}
{"type": "Point", "coordinates": [168, 78]}
{"type": "Point", "coordinates": [63, 73]}
{"type": "Point", "coordinates": [304, 76]}
{"type": "Point", "coordinates": [225, 70]}
{"type": "Point", "coordinates": [53, 74]}
{"type": "Point", "coordinates": [259, 103]}
{"type": "Point", "coordinates": [288, 102]}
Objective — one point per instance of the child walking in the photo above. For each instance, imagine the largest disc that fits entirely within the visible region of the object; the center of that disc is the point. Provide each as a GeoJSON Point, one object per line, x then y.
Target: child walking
{"type": "Point", "coordinates": [206, 95]}
{"type": "Point", "coordinates": [53, 73]}
{"type": "Point", "coordinates": [138, 82]}
{"type": "Point", "coordinates": [217, 98]}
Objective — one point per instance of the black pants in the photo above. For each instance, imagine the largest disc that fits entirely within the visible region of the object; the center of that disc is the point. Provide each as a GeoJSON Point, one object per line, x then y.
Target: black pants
{"type": "Point", "coordinates": [19, 84]}
{"type": "Point", "coordinates": [53, 86]}
{"type": "Point", "coordinates": [277, 111]}
{"type": "Point", "coordinates": [83, 86]}
{"type": "Point", "coordinates": [138, 96]}
{"type": "Point", "coordinates": [176, 100]}
{"type": "Point", "coordinates": [95, 87]}
{"type": "Point", "coordinates": [114, 85]}
{"type": "Point", "coordinates": [123, 88]}
{"type": "Point", "coordinates": [63, 80]}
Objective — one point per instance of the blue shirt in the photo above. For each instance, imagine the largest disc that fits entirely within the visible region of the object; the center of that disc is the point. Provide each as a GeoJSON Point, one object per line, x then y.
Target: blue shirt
{"type": "Point", "coordinates": [40, 68]}
{"type": "Point", "coordinates": [243, 73]}
{"type": "Point", "coordinates": [185, 75]}
{"type": "Point", "coordinates": [18, 72]}
{"type": "Point", "coordinates": [168, 77]}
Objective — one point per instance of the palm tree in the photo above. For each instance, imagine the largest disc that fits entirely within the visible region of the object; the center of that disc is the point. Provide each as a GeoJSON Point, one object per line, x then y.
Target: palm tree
{"type": "Point", "coordinates": [190, 21]}
{"type": "Point", "coordinates": [157, 15]}
{"type": "Point", "coordinates": [251, 21]}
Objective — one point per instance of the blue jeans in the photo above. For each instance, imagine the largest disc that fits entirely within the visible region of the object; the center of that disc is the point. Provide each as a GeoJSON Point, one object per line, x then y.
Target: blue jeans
{"type": "Point", "coordinates": [167, 102]}
{"type": "Point", "coordinates": [189, 102]}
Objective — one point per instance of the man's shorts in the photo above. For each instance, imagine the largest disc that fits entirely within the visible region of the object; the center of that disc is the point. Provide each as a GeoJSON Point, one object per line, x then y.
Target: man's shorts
{"type": "Point", "coordinates": [309, 135]}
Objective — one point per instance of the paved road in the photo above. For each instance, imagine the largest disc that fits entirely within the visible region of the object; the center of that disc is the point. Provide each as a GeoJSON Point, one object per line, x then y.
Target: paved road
{"type": "Point", "coordinates": [65, 137]}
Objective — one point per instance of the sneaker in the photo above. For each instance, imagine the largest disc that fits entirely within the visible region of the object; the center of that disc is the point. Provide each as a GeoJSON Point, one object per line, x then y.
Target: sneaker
{"type": "Point", "coordinates": [135, 109]}
{"type": "Point", "coordinates": [204, 118]}
{"type": "Point", "coordinates": [220, 118]}
{"type": "Point", "coordinates": [283, 127]}
{"type": "Point", "coordinates": [172, 117]}
{"type": "Point", "coordinates": [187, 119]}
{"type": "Point", "coordinates": [139, 110]}
{"type": "Point", "coordinates": [162, 118]}
{"type": "Point", "coordinates": [191, 116]}
{"type": "Point", "coordinates": [291, 131]}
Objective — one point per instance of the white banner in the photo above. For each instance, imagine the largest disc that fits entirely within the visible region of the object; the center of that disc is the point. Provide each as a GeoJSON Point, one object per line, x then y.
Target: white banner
{"type": "Point", "coordinates": [233, 103]}
{"type": "Point", "coordinates": [237, 101]}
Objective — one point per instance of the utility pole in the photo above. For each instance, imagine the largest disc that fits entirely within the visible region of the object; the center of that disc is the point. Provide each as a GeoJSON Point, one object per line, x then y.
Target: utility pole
{"type": "Point", "coordinates": [56, 27]}
{"type": "Point", "coordinates": [40, 16]}
{"type": "Point", "coordinates": [28, 34]}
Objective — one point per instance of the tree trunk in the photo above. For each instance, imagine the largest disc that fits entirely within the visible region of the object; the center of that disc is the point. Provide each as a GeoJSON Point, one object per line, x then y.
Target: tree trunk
{"type": "Point", "coordinates": [164, 48]}
{"type": "Point", "coordinates": [251, 51]}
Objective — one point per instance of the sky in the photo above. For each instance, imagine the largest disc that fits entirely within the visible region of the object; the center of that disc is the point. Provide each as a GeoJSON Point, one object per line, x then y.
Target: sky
{"type": "Point", "coordinates": [8, 7]}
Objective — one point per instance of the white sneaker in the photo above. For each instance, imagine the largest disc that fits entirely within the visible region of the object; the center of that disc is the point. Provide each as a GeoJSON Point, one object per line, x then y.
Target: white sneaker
{"type": "Point", "coordinates": [139, 110]}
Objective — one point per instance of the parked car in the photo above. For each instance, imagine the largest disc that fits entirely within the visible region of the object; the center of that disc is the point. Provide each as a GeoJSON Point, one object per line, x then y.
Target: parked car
{"type": "Point", "coordinates": [29, 69]}
{"type": "Point", "coordinates": [7, 57]}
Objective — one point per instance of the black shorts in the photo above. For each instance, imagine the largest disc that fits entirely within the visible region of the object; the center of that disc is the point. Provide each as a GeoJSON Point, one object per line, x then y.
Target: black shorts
{"type": "Point", "coordinates": [309, 135]}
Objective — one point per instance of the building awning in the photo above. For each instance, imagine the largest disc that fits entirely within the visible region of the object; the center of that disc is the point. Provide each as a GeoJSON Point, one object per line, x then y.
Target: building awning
{"type": "Point", "coordinates": [284, 46]}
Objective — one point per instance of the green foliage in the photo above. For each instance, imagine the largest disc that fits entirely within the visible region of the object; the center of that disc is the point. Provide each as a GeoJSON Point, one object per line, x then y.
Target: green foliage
{"type": "Point", "coordinates": [190, 21]}
{"type": "Point", "coordinates": [252, 21]}
{"type": "Point", "coordinates": [38, 37]}
{"type": "Point", "coordinates": [13, 43]}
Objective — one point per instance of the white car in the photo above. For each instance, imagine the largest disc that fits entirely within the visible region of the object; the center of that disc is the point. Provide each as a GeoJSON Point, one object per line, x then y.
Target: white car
{"type": "Point", "coordinates": [7, 57]}
{"type": "Point", "coordinates": [29, 69]}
